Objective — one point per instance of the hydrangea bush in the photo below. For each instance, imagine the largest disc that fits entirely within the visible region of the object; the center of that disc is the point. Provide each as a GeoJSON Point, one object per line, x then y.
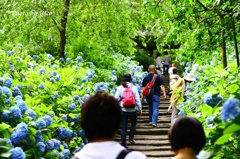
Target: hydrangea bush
{"type": "Point", "coordinates": [41, 99]}
{"type": "Point", "coordinates": [214, 99]}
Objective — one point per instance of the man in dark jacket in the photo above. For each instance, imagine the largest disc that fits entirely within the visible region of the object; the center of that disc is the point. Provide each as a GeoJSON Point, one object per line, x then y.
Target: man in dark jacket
{"type": "Point", "coordinates": [154, 100]}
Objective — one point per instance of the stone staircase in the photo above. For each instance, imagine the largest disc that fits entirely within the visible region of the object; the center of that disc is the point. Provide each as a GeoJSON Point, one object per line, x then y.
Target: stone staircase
{"type": "Point", "coordinates": [153, 141]}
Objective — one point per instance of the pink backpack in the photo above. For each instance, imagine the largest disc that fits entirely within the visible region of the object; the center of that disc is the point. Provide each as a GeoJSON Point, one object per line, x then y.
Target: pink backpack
{"type": "Point", "coordinates": [128, 99]}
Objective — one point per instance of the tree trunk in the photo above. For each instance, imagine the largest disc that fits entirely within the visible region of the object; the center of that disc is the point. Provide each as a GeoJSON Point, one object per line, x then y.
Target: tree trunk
{"type": "Point", "coordinates": [224, 56]}
{"type": "Point", "coordinates": [235, 41]}
{"type": "Point", "coordinates": [63, 29]}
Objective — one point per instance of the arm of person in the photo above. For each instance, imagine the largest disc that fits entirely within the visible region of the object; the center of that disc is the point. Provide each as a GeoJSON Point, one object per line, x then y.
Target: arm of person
{"type": "Point", "coordinates": [118, 94]}
{"type": "Point", "coordinates": [163, 90]}
{"type": "Point", "coordinates": [138, 100]}
{"type": "Point", "coordinates": [142, 96]}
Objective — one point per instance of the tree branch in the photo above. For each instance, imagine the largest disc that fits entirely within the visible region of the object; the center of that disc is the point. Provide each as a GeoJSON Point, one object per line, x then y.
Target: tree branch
{"type": "Point", "coordinates": [205, 8]}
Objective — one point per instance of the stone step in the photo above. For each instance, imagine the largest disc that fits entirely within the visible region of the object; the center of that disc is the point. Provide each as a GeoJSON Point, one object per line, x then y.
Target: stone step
{"type": "Point", "coordinates": [150, 131]}
{"type": "Point", "coordinates": [159, 154]}
{"type": "Point", "coordinates": [147, 137]}
{"type": "Point", "coordinates": [149, 148]}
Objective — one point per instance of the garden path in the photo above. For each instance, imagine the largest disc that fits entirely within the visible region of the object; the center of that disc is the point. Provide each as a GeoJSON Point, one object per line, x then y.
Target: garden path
{"type": "Point", "coordinates": [153, 141]}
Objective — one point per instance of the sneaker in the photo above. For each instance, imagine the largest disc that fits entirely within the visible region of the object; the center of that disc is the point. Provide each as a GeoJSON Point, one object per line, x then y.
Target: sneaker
{"type": "Point", "coordinates": [154, 125]}
{"type": "Point", "coordinates": [132, 141]}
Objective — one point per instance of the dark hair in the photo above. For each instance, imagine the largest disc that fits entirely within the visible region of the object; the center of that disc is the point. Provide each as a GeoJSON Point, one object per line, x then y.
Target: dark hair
{"type": "Point", "coordinates": [158, 54]}
{"type": "Point", "coordinates": [101, 116]}
{"type": "Point", "coordinates": [187, 132]}
{"type": "Point", "coordinates": [165, 53]}
{"type": "Point", "coordinates": [174, 70]}
{"type": "Point", "coordinates": [126, 78]}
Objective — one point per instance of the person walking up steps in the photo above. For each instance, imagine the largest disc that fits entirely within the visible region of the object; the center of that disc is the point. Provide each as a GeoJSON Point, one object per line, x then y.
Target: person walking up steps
{"type": "Point", "coordinates": [131, 104]}
{"type": "Point", "coordinates": [166, 60]}
{"type": "Point", "coordinates": [159, 64]}
{"type": "Point", "coordinates": [100, 119]}
{"type": "Point", "coordinates": [154, 100]}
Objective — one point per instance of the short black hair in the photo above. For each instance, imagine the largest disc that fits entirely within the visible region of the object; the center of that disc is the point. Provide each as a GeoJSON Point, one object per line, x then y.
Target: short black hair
{"type": "Point", "coordinates": [174, 70]}
{"type": "Point", "coordinates": [126, 78]}
{"type": "Point", "coordinates": [101, 116]}
{"type": "Point", "coordinates": [187, 131]}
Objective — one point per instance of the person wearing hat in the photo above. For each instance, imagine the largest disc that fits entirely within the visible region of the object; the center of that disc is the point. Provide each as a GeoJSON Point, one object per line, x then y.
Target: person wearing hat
{"type": "Point", "coordinates": [128, 113]}
{"type": "Point", "coordinates": [175, 97]}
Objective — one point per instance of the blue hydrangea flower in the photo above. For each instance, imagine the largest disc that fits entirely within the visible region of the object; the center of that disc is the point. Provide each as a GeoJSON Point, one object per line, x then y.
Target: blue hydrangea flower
{"type": "Point", "coordinates": [76, 67]}
{"type": "Point", "coordinates": [15, 91]}
{"type": "Point", "coordinates": [57, 77]}
{"type": "Point", "coordinates": [57, 144]}
{"type": "Point", "coordinates": [85, 97]}
{"type": "Point", "coordinates": [231, 109]}
{"type": "Point", "coordinates": [79, 59]}
{"type": "Point", "coordinates": [19, 45]}
{"type": "Point", "coordinates": [41, 86]}
{"type": "Point", "coordinates": [42, 70]}
{"type": "Point", "coordinates": [61, 59]}
{"type": "Point", "coordinates": [68, 60]}
{"type": "Point", "coordinates": [74, 119]}
{"type": "Point", "coordinates": [82, 133]}
{"type": "Point", "coordinates": [22, 106]}
{"type": "Point", "coordinates": [7, 100]}
{"type": "Point", "coordinates": [9, 142]}
{"type": "Point", "coordinates": [76, 97]}
{"type": "Point", "coordinates": [19, 133]}
{"type": "Point", "coordinates": [65, 145]}
{"type": "Point", "coordinates": [64, 133]}
{"type": "Point", "coordinates": [6, 116]}
{"type": "Point", "coordinates": [48, 120]}
{"type": "Point", "coordinates": [84, 79]}
{"type": "Point", "coordinates": [54, 73]}
{"type": "Point", "coordinates": [41, 124]}
{"type": "Point", "coordinates": [66, 153]}
{"type": "Point", "coordinates": [8, 82]}
{"type": "Point", "coordinates": [17, 153]}
{"type": "Point", "coordinates": [64, 118]}
{"type": "Point", "coordinates": [212, 101]}
{"type": "Point", "coordinates": [181, 113]}
{"type": "Point", "coordinates": [32, 114]}
{"type": "Point", "coordinates": [39, 137]}
{"type": "Point", "coordinates": [55, 95]}
{"type": "Point", "coordinates": [114, 72]}
{"type": "Point", "coordinates": [35, 57]}
{"type": "Point", "coordinates": [51, 79]}
{"type": "Point", "coordinates": [16, 112]}
{"type": "Point", "coordinates": [10, 53]}
{"type": "Point", "coordinates": [49, 145]}
{"type": "Point", "coordinates": [72, 106]}
{"type": "Point", "coordinates": [49, 56]}
{"type": "Point", "coordinates": [41, 147]}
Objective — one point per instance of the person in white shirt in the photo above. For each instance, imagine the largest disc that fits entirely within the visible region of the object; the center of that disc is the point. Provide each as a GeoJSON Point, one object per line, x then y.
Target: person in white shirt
{"type": "Point", "coordinates": [170, 71]}
{"type": "Point", "coordinates": [100, 119]}
{"type": "Point", "coordinates": [166, 60]}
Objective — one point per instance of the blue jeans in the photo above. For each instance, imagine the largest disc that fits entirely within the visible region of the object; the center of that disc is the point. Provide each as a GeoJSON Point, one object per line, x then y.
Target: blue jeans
{"type": "Point", "coordinates": [133, 119]}
{"type": "Point", "coordinates": [153, 108]}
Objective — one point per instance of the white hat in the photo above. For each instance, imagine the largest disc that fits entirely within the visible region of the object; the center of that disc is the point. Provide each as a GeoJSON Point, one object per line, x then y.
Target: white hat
{"type": "Point", "coordinates": [190, 77]}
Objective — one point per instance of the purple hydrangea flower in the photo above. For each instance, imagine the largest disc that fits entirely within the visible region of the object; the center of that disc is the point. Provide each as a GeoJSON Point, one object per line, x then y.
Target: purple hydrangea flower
{"type": "Point", "coordinates": [19, 133]}
{"type": "Point", "coordinates": [41, 147]}
{"type": "Point", "coordinates": [231, 109]}
{"type": "Point", "coordinates": [17, 153]}
{"type": "Point", "coordinates": [16, 112]}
